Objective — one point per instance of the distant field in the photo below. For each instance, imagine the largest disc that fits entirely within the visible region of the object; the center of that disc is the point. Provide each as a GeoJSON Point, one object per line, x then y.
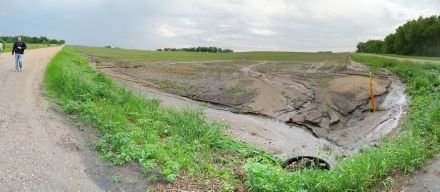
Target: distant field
{"type": "Point", "coordinates": [8, 46]}
{"type": "Point", "coordinates": [124, 55]}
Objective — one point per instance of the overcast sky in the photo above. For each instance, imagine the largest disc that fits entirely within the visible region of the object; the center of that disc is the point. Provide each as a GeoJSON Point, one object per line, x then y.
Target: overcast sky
{"type": "Point", "coordinates": [289, 25]}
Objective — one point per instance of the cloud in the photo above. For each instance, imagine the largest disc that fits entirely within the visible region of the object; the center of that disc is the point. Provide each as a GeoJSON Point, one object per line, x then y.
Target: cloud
{"type": "Point", "coordinates": [263, 32]}
{"type": "Point", "coordinates": [292, 25]}
{"type": "Point", "coordinates": [165, 31]}
{"type": "Point", "coordinates": [168, 31]}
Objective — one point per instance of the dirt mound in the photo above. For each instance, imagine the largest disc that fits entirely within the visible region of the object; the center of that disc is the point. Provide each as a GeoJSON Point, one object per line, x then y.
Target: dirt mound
{"type": "Point", "coordinates": [348, 93]}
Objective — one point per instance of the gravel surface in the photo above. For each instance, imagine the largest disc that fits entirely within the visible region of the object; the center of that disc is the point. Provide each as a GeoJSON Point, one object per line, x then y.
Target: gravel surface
{"type": "Point", "coordinates": [427, 180]}
{"type": "Point", "coordinates": [39, 149]}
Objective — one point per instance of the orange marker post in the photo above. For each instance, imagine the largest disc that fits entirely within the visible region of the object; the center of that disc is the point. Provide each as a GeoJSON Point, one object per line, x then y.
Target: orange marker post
{"type": "Point", "coordinates": [372, 92]}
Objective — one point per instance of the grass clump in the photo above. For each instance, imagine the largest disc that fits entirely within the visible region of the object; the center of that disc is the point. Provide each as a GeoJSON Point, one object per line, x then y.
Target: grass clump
{"type": "Point", "coordinates": [236, 90]}
{"type": "Point", "coordinates": [165, 84]}
{"type": "Point", "coordinates": [373, 167]}
{"type": "Point", "coordinates": [163, 140]}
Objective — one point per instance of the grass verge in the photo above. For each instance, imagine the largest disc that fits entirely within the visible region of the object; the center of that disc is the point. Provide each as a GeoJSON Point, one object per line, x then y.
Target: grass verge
{"type": "Point", "coordinates": [171, 144]}
{"type": "Point", "coordinates": [373, 167]}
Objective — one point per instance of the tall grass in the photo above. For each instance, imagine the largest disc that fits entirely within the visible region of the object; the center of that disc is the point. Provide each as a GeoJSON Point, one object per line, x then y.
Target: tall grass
{"type": "Point", "coordinates": [164, 140]}
{"type": "Point", "coordinates": [373, 167]}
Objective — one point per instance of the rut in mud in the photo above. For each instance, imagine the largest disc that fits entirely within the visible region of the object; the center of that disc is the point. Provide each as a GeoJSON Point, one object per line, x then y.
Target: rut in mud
{"type": "Point", "coordinates": [285, 107]}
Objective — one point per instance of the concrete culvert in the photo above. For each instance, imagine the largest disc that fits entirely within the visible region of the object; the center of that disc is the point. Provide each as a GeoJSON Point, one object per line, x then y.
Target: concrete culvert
{"type": "Point", "coordinates": [305, 162]}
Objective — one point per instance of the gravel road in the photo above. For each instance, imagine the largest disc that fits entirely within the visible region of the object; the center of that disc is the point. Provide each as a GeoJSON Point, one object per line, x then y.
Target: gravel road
{"type": "Point", "coordinates": [39, 149]}
{"type": "Point", "coordinates": [425, 180]}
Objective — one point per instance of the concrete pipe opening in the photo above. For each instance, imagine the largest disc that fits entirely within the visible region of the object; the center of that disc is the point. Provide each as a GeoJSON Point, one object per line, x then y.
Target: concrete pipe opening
{"type": "Point", "coordinates": [305, 162]}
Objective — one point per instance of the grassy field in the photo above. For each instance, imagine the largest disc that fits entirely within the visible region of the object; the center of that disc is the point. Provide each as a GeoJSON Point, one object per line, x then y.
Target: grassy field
{"type": "Point", "coordinates": [181, 144]}
{"type": "Point", "coordinates": [8, 46]}
{"type": "Point", "coordinates": [124, 55]}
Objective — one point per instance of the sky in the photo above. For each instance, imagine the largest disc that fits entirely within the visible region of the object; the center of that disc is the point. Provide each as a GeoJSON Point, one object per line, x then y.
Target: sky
{"type": "Point", "coordinates": [241, 25]}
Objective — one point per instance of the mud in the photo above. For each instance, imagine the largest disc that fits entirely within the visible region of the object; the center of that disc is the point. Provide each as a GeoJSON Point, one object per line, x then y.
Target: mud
{"type": "Point", "coordinates": [287, 108]}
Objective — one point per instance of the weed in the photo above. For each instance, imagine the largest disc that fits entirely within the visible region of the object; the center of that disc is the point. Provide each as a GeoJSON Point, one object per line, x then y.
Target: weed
{"type": "Point", "coordinates": [116, 178]}
{"type": "Point", "coordinates": [236, 90]}
{"type": "Point", "coordinates": [165, 84]}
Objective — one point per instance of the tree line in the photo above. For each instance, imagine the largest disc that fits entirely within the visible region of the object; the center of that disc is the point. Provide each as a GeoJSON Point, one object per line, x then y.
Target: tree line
{"type": "Point", "coordinates": [199, 49]}
{"type": "Point", "coordinates": [32, 40]}
{"type": "Point", "coordinates": [420, 37]}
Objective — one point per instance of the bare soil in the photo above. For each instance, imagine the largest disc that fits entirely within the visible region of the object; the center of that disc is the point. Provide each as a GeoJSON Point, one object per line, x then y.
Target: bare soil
{"type": "Point", "coordinates": [285, 107]}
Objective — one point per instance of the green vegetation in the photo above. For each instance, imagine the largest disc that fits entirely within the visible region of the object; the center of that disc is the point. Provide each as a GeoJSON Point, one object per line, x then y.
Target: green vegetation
{"type": "Point", "coordinates": [176, 143]}
{"type": "Point", "coordinates": [373, 167]}
{"type": "Point", "coordinates": [236, 90]}
{"type": "Point", "coordinates": [31, 40]}
{"type": "Point", "coordinates": [139, 56]}
{"type": "Point", "coordinates": [416, 37]}
{"type": "Point", "coordinates": [371, 46]}
{"type": "Point", "coordinates": [8, 46]}
{"type": "Point", "coordinates": [165, 84]}
{"type": "Point", "coordinates": [199, 49]}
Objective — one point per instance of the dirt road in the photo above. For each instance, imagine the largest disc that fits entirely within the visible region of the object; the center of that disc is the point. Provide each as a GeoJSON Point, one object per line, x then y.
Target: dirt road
{"type": "Point", "coordinates": [427, 179]}
{"type": "Point", "coordinates": [415, 60]}
{"type": "Point", "coordinates": [39, 149]}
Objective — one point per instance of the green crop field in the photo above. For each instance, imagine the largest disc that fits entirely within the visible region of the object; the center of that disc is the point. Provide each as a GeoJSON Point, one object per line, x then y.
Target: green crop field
{"type": "Point", "coordinates": [125, 55]}
{"type": "Point", "coordinates": [178, 143]}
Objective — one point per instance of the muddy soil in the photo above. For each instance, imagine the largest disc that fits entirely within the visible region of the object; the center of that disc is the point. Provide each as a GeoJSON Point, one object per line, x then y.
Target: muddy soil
{"type": "Point", "coordinates": [287, 108]}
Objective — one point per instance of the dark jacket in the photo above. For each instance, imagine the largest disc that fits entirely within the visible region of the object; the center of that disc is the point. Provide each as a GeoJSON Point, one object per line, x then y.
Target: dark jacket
{"type": "Point", "coordinates": [16, 49]}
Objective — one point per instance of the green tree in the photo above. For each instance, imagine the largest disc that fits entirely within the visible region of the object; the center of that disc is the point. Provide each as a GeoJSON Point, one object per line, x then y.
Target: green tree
{"type": "Point", "coordinates": [371, 46]}
{"type": "Point", "coordinates": [416, 37]}
{"type": "Point", "coordinates": [388, 46]}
